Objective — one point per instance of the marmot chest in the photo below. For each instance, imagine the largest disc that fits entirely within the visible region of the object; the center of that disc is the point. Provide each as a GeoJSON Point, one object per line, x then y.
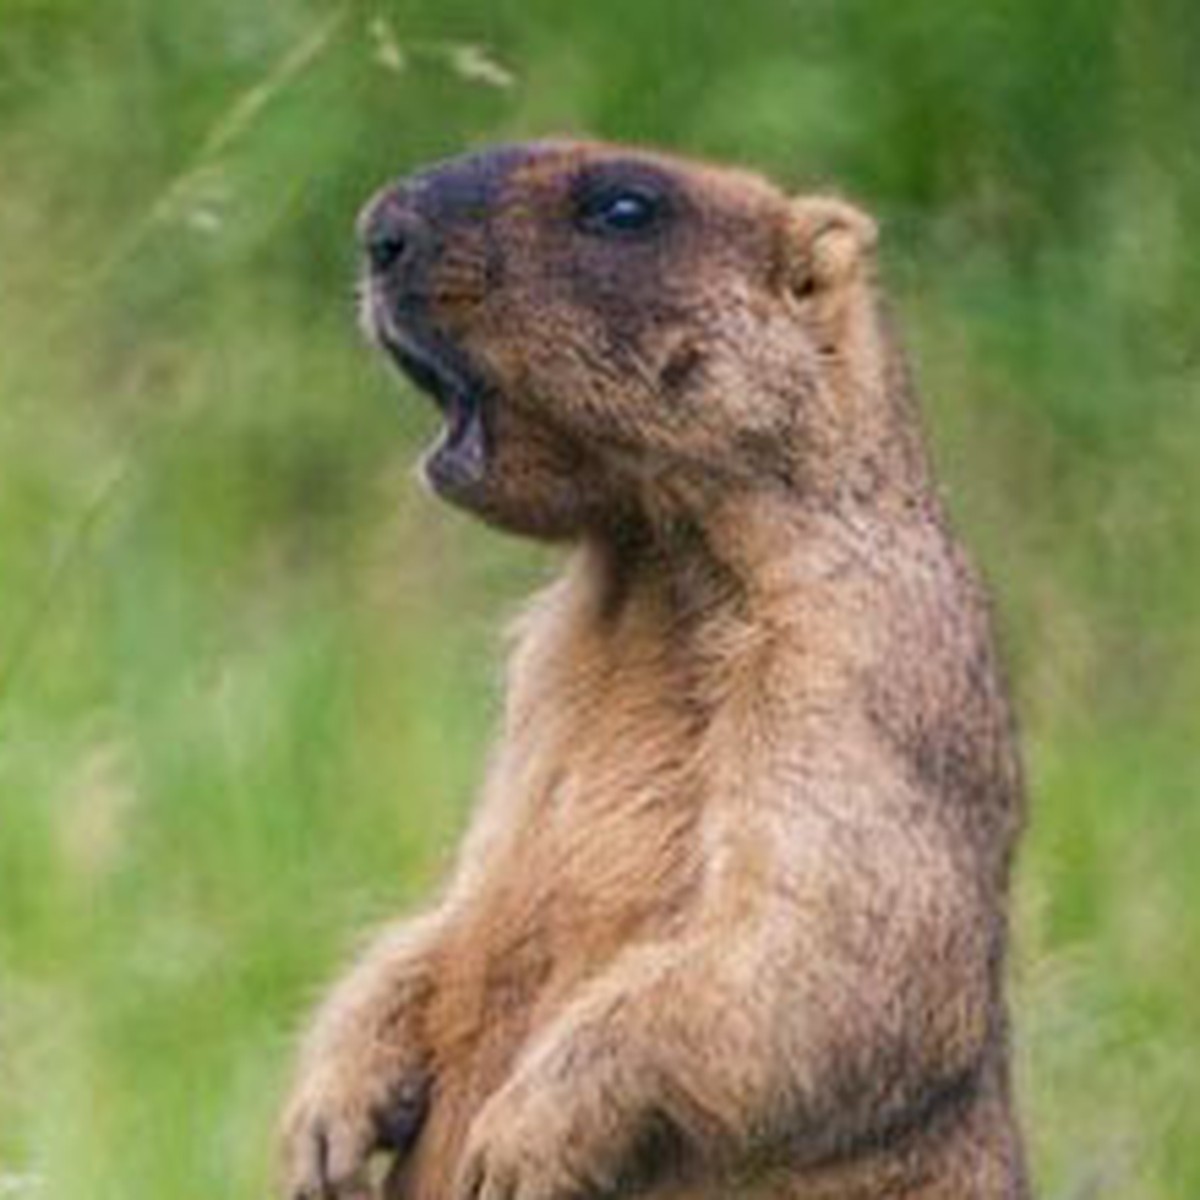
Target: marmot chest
{"type": "Point", "coordinates": [595, 835]}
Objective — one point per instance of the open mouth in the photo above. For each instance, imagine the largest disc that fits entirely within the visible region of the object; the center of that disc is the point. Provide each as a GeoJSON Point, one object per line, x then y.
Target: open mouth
{"type": "Point", "coordinates": [458, 460]}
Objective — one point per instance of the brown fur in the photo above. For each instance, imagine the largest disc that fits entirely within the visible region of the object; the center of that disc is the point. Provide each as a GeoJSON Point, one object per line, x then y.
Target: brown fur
{"type": "Point", "coordinates": [730, 919]}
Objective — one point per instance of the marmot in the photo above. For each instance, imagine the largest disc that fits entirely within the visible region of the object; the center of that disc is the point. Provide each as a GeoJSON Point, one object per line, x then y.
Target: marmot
{"type": "Point", "coordinates": [731, 917]}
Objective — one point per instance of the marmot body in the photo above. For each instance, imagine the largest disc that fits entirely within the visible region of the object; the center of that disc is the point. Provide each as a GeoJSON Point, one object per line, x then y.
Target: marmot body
{"type": "Point", "coordinates": [730, 920]}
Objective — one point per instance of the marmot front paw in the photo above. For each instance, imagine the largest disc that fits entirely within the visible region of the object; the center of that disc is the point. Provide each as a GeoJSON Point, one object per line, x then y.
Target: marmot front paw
{"type": "Point", "coordinates": [339, 1116]}
{"type": "Point", "coordinates": [527, 1144]}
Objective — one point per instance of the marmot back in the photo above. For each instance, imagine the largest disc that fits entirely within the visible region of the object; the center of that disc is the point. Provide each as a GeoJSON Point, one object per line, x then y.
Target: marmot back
{"type": "Point", "coordinates": [731, 915]}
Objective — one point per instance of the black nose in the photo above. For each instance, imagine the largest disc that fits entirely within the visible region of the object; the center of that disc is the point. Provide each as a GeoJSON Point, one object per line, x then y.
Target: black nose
{"type": "Point", "coordinates": [391, 234]}
{"type": "Point", "coordinates": [403, 226]}
{"type": "Point", "coordinates": [386, 247]}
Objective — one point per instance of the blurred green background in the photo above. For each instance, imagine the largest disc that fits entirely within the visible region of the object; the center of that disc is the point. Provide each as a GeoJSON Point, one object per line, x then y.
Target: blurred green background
{"type": "Point", "coordinates": [247, 668]}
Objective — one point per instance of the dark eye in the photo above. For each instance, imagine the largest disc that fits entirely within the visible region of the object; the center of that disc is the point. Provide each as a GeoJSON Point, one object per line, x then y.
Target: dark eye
{"type": "Point", "coordinates": [620, 210]}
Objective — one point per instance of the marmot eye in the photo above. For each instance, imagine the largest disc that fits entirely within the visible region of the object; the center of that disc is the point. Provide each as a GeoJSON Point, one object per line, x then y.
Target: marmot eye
{"type": "Point", "coordinates": [620, 210]}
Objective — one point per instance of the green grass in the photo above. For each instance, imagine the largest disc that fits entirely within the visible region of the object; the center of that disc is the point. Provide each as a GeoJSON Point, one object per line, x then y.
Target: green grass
{"type": "Point", "coordinates": [247, 670]}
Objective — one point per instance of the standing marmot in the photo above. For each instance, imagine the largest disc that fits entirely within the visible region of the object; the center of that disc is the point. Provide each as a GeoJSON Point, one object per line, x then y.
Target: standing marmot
{"type": "Point", "coordinates": [731, 918]}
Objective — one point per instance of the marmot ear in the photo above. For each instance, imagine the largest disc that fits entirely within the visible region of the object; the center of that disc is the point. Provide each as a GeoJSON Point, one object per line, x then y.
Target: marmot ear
{"type": "Point", "coordinates": [826, 244]}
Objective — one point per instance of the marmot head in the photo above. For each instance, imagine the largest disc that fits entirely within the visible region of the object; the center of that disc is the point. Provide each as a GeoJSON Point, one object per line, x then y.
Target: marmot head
{"type": "Point", "coordinates": [612, 333]}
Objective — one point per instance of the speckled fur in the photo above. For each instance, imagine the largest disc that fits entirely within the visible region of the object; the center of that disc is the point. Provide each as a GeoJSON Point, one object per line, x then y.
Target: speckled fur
{"type": "Point", "coordinates": [730, 919]}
